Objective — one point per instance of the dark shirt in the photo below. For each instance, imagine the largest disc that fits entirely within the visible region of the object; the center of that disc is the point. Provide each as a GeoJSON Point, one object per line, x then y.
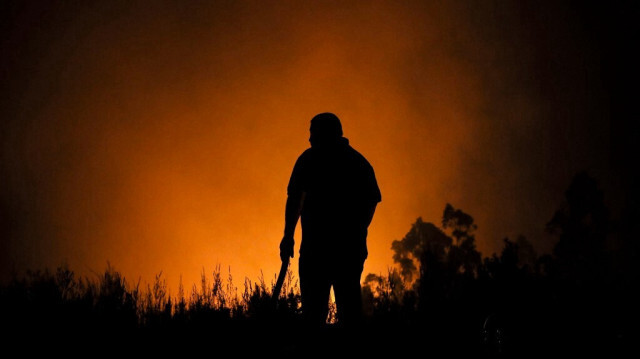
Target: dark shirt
{"type": "Point", "coordinates": [340, 191]}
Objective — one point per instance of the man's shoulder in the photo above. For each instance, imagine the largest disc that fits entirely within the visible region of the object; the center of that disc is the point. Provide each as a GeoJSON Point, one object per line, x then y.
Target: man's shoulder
{"type": "Point", "coordinates": [347, 153]}
{"type": "Point", "coordinates": [305, 157]}
{"type": "Point", "coordinates": [306, 154]}
{"type": "Point", "coordinates": [357, 156]}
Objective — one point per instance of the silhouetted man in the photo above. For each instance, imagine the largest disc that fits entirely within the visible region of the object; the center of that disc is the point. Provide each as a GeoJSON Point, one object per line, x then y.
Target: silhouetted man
{"type": "Point", "coordinates": [334, 190]}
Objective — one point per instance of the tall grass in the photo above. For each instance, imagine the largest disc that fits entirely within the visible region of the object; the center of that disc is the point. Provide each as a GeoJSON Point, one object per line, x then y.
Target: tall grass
{"type": "Point", "coordinates": [46, 299]}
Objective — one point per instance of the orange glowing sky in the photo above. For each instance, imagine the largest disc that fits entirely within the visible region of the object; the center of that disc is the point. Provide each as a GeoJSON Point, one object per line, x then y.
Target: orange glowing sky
{"type": "Point", "coordinates": [161, 135]}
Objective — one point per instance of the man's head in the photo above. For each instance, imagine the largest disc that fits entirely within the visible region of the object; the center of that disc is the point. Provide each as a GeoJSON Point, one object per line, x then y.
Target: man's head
{"type": "Point", "coordinates": [325, 127]}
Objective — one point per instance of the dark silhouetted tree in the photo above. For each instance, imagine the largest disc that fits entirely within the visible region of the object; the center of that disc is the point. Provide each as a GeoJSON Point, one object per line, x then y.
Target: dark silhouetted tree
{"type": "Point", "coordinates": [582, 225]}
{"type": "Point", "coordinates": [423, 238]}
{"type": "Point", "coordinates": [464, 256]}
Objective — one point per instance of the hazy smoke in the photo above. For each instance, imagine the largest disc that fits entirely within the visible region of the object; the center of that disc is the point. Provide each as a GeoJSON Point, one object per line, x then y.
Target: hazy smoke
{"type": "Point", "coordinates": [161, 134]}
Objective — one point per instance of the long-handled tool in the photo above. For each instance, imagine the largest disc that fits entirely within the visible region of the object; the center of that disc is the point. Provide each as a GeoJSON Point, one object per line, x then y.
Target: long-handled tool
{"type": "Point", "coordinates": [283, 273]}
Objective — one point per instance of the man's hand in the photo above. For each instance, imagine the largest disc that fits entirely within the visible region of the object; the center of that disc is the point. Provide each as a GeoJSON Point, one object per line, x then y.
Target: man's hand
{"type": "Point", "coordinates": [286, 248]}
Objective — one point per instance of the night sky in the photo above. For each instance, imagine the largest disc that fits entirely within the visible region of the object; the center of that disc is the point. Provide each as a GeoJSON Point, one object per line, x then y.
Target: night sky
{"type": "Point", "coordinates": [160, 135]}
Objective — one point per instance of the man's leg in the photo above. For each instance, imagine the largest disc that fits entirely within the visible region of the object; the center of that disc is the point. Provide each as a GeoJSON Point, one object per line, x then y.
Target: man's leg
{"type": "Point", "coordinates": [349, 293]}
{"type": "Point", "coordinates": [315, 288]}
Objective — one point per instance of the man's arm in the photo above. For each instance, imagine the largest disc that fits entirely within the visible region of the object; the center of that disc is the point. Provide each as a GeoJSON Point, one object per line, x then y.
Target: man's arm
{"type": "Point", "coordinates": [291, 215]}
